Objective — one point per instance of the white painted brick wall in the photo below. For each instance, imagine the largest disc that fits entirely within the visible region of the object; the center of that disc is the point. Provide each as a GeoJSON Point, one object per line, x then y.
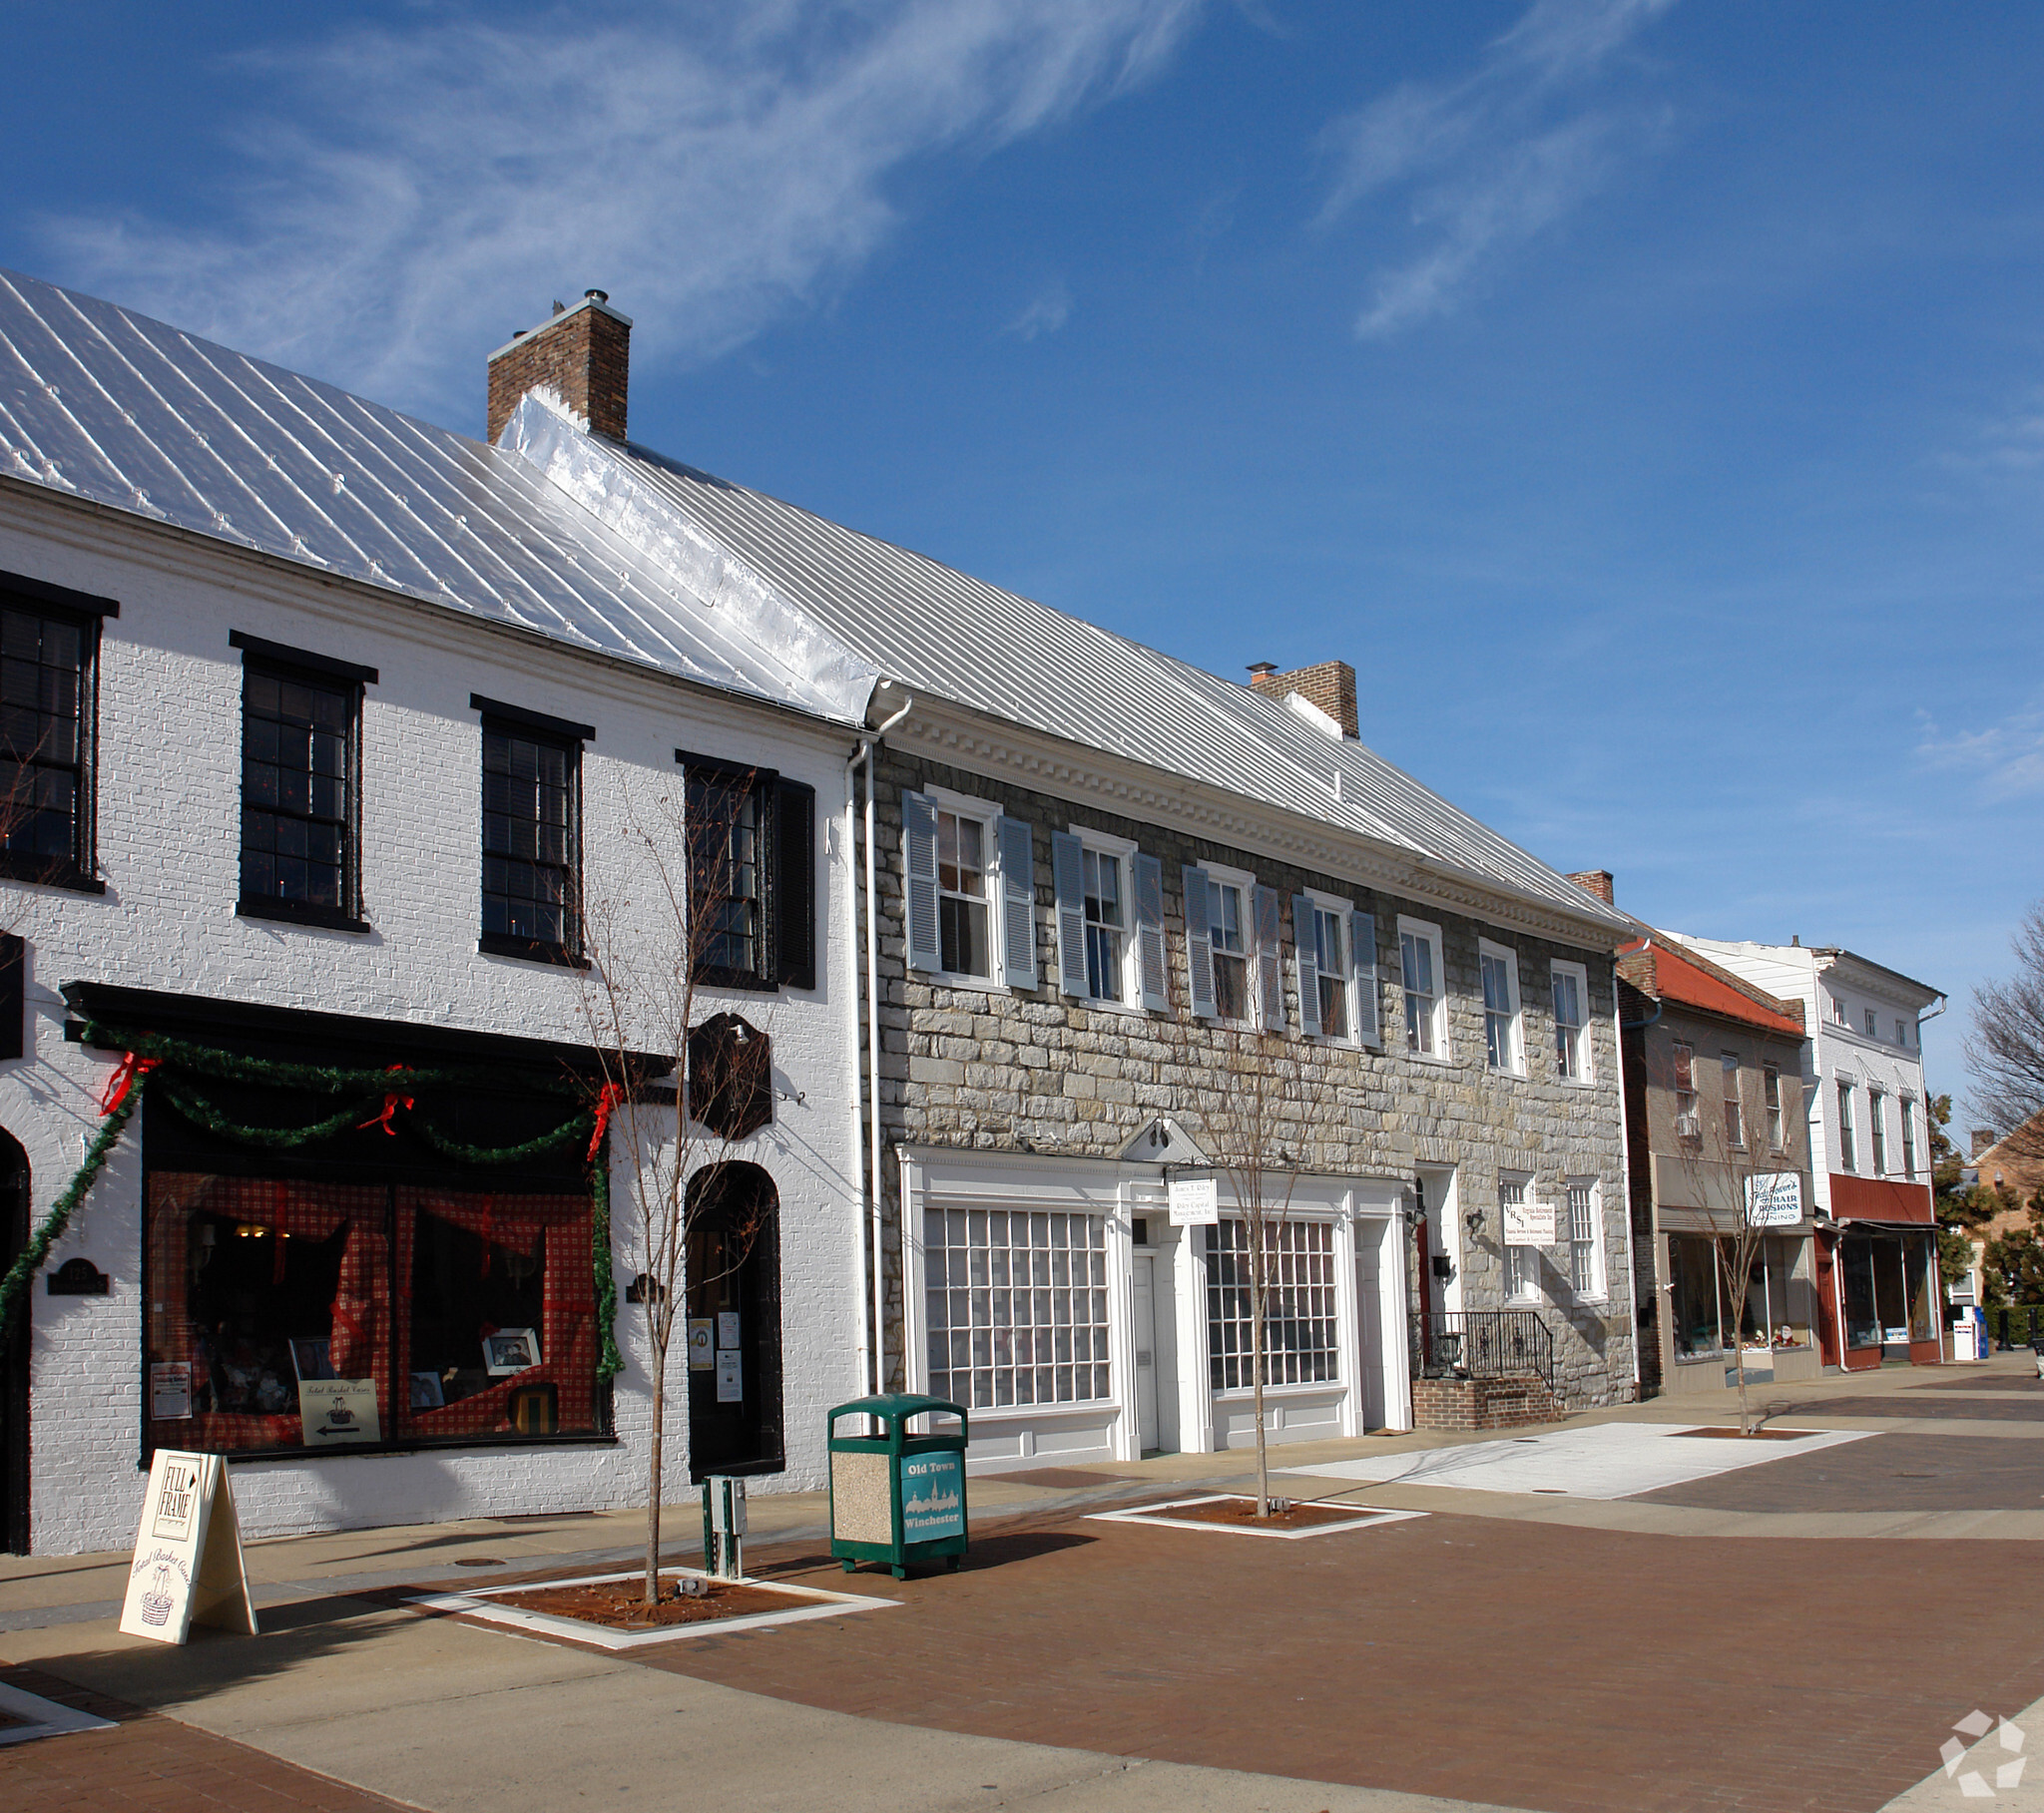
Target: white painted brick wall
{"type": "Point", "coordinates": [169, 803]}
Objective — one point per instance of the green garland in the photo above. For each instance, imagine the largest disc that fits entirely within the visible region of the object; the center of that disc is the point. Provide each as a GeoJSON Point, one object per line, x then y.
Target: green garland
{"type": "Point", "coordinates": [15, 1285]}
{"type": "Point", "coordinates": [371, 1089]}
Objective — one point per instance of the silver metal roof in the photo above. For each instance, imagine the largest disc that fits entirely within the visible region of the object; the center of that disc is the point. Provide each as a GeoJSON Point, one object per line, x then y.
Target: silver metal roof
{"type": "Point", "coordinates": [946, 633]}
{"type": "Point", "coordinates": [105, 405]}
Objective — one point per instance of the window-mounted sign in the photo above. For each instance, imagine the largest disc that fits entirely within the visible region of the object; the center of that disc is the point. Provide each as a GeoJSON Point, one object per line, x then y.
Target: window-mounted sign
{"type": "Point", "coordinates": [188, 1566]}
{"type": "Point", "coordinates": [340, 1413]}
{"type": "Point", "coordinates": [702, 1354]}
{"type": "Point", "coordinates": [1195, 1201]}
{"type": "Point", "coordinates": [727, 1328]}
{"type": "Point", "coordinates": [170, 1391]}
{"type": "Point", "coordinates": [1774, 1199]}
{"type": "Point", "coordinates": [730, 1376]}
{"type": "Point", "coordinates": [1529, 1224]}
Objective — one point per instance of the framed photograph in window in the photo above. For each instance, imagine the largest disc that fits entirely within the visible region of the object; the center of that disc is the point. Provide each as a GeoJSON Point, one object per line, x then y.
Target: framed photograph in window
{"type": "Point", "coordinates": [510, 1350]}
{"type": "Point", "coordinates": [312, 1357]}
{"type": "Point", "coordinates": [427, 1393]}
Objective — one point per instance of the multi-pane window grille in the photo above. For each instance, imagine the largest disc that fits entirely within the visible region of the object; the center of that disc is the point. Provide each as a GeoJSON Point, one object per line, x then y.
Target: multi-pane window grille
{"type": "Point", "coordinates": [45, 731]}
{"type": "Point", "coordinates": [1771, 1087]}
{"type": "Point", "coordinates": [1225, 920]}
{"type": "Point", "coordinates": [1848, 1145]}
{"type": "Point", "coordinates": [1017, 1307]}
{"type": "Point", "coordinates": [1734, 1117]}
{"type": "Point", "coordinates": [1522, 1263]}
{"type": "Point", "coordinates": [727, 874]}
{"type": "Point", "coordinates": [963, 946]}
{"type": "Point", "coordinates": [1300, 1329]}
{"type": "Point", "coordinates": [1909, 1137]}
{"type": "Point", "coordinates": [529, 838]}
{"type": "Point", "coordinates": [1584, 1278]}
{"type": "Point", "coordinates": [1105, 925]}
{"type": "Point", "coordinates": [1568, 1026]}
{"type": "Point", "coordinates": [298, 783]}
{"type": "Point", "coordinates": [1422, 992]}
{"type": "Point", "coordinates": [1684, 1066]}
{"type": "Point", "coordinates": [1877, 1125]}
{"type": "Point", "coordinates": [1500, 1013]}
{"type": "Point", "coordinates": [1330, 953]}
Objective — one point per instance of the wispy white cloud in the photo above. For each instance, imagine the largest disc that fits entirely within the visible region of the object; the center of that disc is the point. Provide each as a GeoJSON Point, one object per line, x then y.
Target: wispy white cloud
{"type": "Point", "coordinates": [2011, 441]}
{"type": "Point", "coordinates": [421, 194]}
{"type": "Point", "coordinates": [1494, 159]}
{"type": "Point", "coordinates": [1047, 312]}
{"type": "Point", "coordinates": [2007, 759]}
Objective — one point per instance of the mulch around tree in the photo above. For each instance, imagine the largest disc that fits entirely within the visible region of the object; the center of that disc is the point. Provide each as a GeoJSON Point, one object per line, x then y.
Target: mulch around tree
{"type": "Point", "coordinates": [1754, 1435]}
{"type": "Point", "coordinates": [621, 1604]}
{"type": "Point", "coordinates": [1242, 1514]}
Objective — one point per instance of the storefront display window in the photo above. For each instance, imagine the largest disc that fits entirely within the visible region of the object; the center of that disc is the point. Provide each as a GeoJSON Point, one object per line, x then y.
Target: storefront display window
{"type": "Point", "coordinates": [1017, 1306]}
{"type": "Point", "coordinates": [1920, 1270]}
{"type": "Point", "coordinates": [285, 1314]}
{"type": "Point", "coordinates": [1863, 1323]}
{"type": "Point", "coordinates": [1693, 1303]}
{"type": "Point", "coordinates": [1299, 1307]}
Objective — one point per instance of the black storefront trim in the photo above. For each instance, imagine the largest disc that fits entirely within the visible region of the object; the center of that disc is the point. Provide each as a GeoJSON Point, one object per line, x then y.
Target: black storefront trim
{"type": "Point", "coordinates": [249, 1456]}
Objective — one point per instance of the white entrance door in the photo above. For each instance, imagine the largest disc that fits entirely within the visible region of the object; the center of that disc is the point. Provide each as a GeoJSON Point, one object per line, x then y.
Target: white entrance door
{"type": "Point", "coordinates": [1370, 1323]}
{"type": "Point", "coordinates": [1145, 1332]}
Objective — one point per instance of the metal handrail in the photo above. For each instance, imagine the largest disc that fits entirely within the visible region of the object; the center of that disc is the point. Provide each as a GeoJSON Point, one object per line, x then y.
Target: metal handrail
{"type": "Point", "coordinates": [1481, 1344]}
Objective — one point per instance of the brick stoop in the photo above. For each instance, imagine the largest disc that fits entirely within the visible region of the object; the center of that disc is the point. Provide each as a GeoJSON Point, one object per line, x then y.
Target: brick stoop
{"type": "Point", "coordinates": [1507, 1403]}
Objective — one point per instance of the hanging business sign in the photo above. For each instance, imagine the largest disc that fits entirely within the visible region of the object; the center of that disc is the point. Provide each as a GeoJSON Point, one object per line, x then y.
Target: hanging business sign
{"type": "Point", "coordinates": [1529, 1224]}
{"type": "Point", "coordinates": [1774, 1199]}
{"type": "Point", "coordinates": [1195, 1201]}
{"type": "Point", "coordinates": [188, 1566]}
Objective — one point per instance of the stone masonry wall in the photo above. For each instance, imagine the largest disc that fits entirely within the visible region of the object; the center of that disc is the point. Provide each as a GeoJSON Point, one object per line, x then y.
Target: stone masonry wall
{"type": "Point", "coordinates": [993, 1068]}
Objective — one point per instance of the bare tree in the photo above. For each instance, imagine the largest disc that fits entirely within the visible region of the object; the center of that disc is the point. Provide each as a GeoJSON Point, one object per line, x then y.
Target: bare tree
{"type": "Point", "coordinates": [1242, 1122]}
{"type": "Point", "coordinates": [675, 909]}
{"type": "Point", "coordinates": [1729, 1158]}
{"type": "Point", "coordinates": [2007, 1045]}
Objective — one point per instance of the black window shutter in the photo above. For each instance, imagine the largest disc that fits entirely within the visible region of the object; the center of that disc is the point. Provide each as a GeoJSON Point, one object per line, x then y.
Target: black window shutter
{"type": "Point", "coordinates": [13, 995]}
{"type": "Point", "coordinates": [795, 884]}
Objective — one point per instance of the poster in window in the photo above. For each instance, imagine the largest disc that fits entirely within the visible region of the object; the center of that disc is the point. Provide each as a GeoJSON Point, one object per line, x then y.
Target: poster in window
{"type": "Point", "coordinates": [702, 1353]}
{"type": "Point", "coordinates": [727, 1328]}
{"type": "Point", "coordinates": [339, 1412]}
{"type": "Point", "coordinates": [510, 1350]}
{"type": "Point", "coordinates": [730, 1378]}
{"type": "Point", "coordinates": [312, 1357]}
{"type": "Point", "coordinates": [170, 1391]}
{"type": "Point", "coordinates": [1529, 1224]}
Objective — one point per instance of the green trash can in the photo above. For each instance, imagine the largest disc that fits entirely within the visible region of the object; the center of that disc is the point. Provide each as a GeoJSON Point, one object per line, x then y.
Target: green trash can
{"type": "Point", "coordinates": [894, 1497]}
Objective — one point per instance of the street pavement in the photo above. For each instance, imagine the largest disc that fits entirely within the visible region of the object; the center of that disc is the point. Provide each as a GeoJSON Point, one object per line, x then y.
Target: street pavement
{"type": "Point", "coordinates": [1800, 1633]}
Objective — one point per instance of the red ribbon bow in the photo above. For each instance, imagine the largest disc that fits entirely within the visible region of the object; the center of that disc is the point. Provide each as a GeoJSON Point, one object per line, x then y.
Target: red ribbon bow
{"type": "Point", "coordinates": [391, 1103]}
{"type": "Point", "coordinates": [126, 1074]}
{"type": "Point", "coordinates": [607, 1100]}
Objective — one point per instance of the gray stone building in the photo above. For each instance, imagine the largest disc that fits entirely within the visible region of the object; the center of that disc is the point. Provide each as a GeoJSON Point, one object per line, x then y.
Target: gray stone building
{"type": "Point", "coordinates": [1118, 920]}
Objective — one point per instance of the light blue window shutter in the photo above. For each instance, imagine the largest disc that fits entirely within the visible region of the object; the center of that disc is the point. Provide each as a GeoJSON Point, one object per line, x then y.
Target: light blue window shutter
{"type": "Point", "coordinates": [1018, 901]}
{"type": "Point", "coordinates": [1308, 946]}
{"type": "Point", "coordinates": [919, 856]}
{"type": "Point", "coordinates": [1199, 943]}
{"type": "Point", "coordinates": [1362, 939]}
{"type": "Point", "coordinates": [1149, 933]}
{"type": "Point", "coordinates": [1270, 965]}
{"type": "Point", "coordinates": [1068, 874]}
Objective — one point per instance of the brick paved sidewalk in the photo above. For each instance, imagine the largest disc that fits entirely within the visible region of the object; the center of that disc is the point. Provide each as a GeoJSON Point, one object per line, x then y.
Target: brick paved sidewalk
{"type": "Point", "coordinates": [151, 1764]}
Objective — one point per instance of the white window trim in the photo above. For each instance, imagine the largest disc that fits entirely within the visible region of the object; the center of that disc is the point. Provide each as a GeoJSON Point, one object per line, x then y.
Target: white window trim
{"type": "Point", "coordinates": [1240, 879]}
{"type": "Point", "coordinates": [1516, 1057]}
{"type": "Point", "coordinates": [1602, 1293]}
{"type": "Point", "coordinates": [1124, 851]}
{"type": "Point", "coordinates": [964, 805]}
{"type": "Point", "coordinates": [1344, 911]}
{"type": "Point", "coordinates": [1442, 1053]}
{"type": "Point", "coordinates": [1524, 1179]}
{"type": "Point", "coordinates": [1580, 972]}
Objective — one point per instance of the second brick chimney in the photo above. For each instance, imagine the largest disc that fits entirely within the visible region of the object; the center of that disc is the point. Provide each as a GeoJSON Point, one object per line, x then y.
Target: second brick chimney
{"type": "Point", "coordinates": [1595, 881]}
{"type": "Point", "coordinates": [1331, 686]}
{"type": "Point", "coordinates": [583, 355]}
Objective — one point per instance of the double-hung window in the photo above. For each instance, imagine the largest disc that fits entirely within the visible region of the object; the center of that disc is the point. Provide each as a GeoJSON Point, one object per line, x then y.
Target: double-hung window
{"type": "Point", "coordinates": [1522, 1263]}
{"type": "Point", "coordinates": [302, 721]}
{"type": "Point", "coordinates": [1109, 920]}
{"type": "Point", "coordinates": [1426, 1008]}
{"type": "Point", "coordinates": [751, 875]}
{"type": "Point", "coordinates": [970, 875]}
{"type": "Point", "coordinates": [1839, 1012]}
{"type": "Point", "coordinates": [49, 691]}
{"type": "Point", "coordinates": [1586, 1240]}
{"type": "Point", "coordinates": [1734, 1109]}
{"type": "Point", "coordinates": [1337, 948]}
{"type": "Point", "coordinates": [1331, 983]}
{"type": "Point", "coordinates": [1226, 924]}
{"type": "Point", "coordinates": [1871, 1025]}
{"type": "Point", "coordinates": [1903, 1034]}
{"type": "Point", "coordinates": [1771, 1091]}
{"type": "Point", "coordinates": [1571, 1009]}
{"type": "Point", "coordinates": [1878, 1130]}
{"type": "Point", "coordinates": [1909, 1137]}
{"type": "Point", "coordinates": [532, 833]}
{"type": "Point", "coordinates": [1106, 910]}
{"type": "Point", "coordinates": [1848, 1152]}
{"type": "Point", "coordinates": [1233, 968]}
{"type": "Point", "coordinates": [1501, 1046]}
{"type": "Point", "coordinates": [1688, 1126]}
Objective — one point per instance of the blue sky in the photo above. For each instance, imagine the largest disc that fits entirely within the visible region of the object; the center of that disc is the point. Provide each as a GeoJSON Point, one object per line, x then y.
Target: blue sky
{"type": "Point", "coordinates": [1646, 396]}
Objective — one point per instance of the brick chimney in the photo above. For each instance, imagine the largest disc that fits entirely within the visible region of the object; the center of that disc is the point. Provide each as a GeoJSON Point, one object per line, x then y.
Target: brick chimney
{"type": "Point", "coordinates": [583, 354]}
{"type": "Point", "coordinates": [1595, 881]}
{"type": "Point", "coordinates": [1983, 1137]}
{"type": "Point", "coordinates": [1331, 686]}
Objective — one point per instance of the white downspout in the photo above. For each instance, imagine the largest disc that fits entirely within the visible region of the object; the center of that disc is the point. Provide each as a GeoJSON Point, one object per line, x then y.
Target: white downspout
{"type": "Point", "coordinates": [1625, 1190]}
{"type": "Point", "coordinates": [879, 1276]}
{"type": "Point", "coordinates": [862, 754]}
